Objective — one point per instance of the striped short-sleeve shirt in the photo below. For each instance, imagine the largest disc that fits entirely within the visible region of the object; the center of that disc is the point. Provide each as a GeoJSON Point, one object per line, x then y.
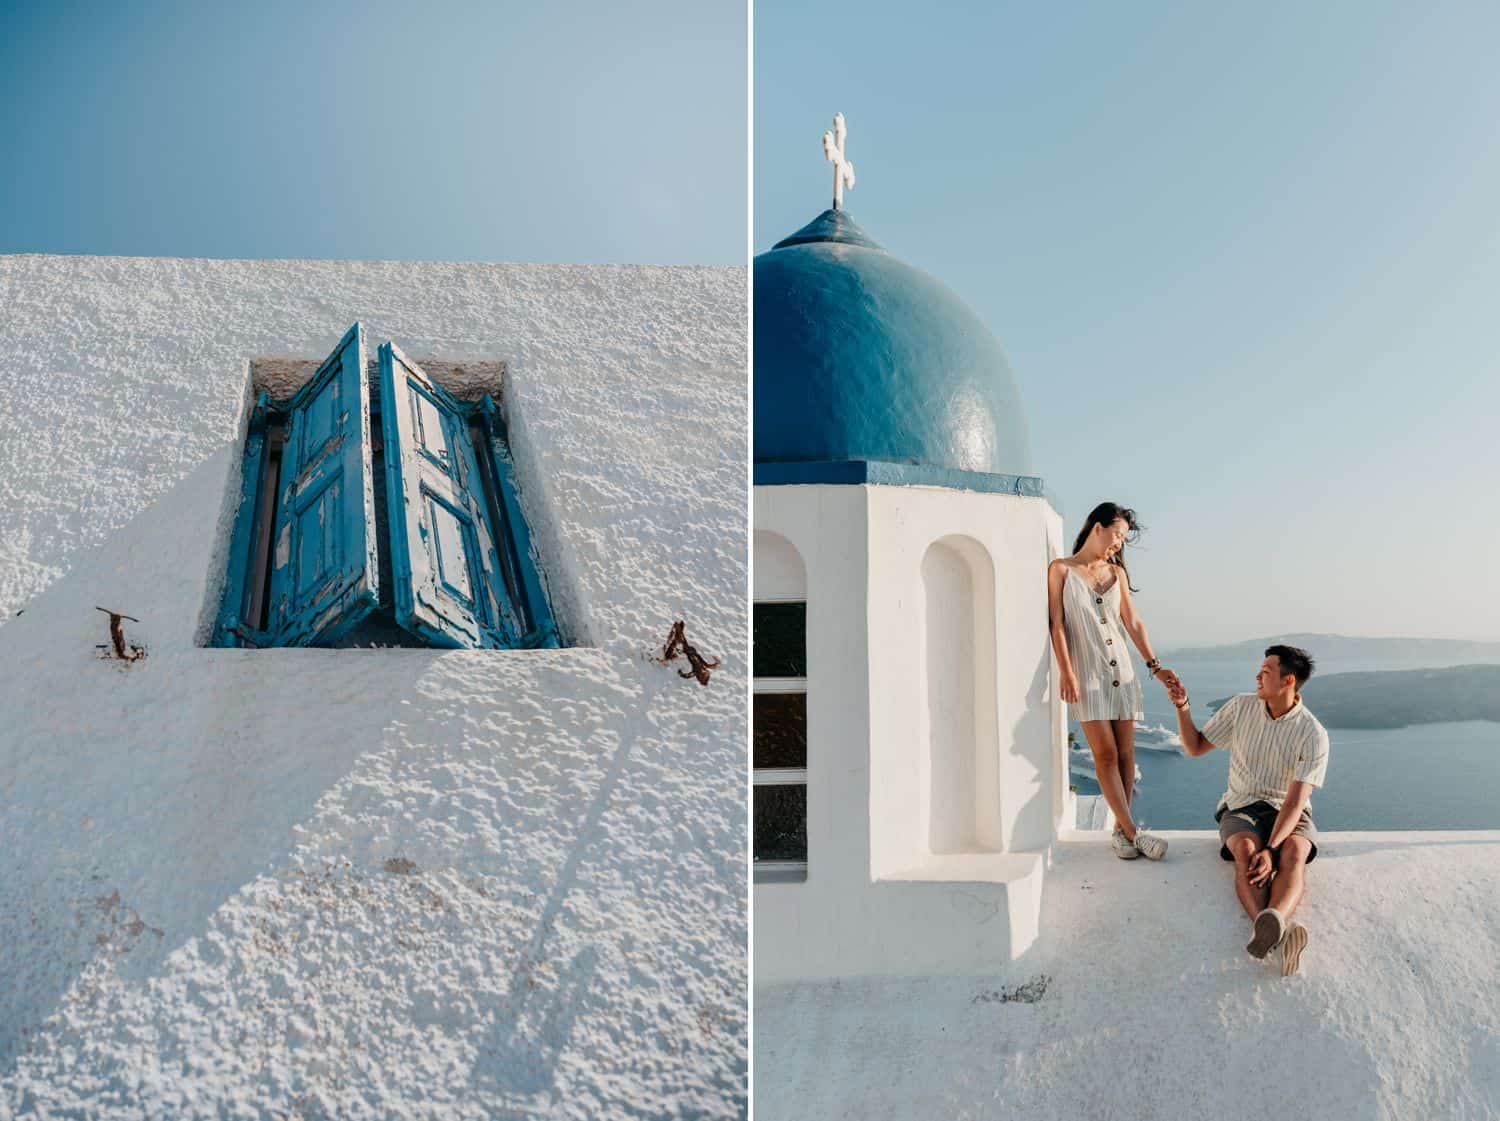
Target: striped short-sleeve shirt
{"type": "Point", "coordinates": [1266, 756]}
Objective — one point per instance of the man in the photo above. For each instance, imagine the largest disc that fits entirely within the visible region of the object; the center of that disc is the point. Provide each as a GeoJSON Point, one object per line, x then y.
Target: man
{"type": "Point", "coordinates": [1278, 752]}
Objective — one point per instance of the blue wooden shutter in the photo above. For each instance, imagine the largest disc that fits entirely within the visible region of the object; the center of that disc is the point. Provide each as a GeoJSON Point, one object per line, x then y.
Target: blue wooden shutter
{"type": "Point", "coordinates": [233, 624]}
{"type": "Point", "coordinates": [523, 579]}
{"type": "Point", "coordinates": [324, 576]}
{"type": "Point", "coordinates": [443, 559]}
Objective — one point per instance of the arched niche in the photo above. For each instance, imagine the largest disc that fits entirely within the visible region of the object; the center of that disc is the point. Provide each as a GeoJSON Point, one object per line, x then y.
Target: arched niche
{"type": "Point", "coordinates": [960, 765]}
{"type": "Point", "coordinates": [780, 575]}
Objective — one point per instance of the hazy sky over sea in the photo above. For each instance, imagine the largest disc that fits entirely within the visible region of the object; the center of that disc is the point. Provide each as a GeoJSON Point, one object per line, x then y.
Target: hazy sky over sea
{"type": "Point", "coordinates": [1245, 261]}
{"type": "Point", "coordinates": [581, 132]}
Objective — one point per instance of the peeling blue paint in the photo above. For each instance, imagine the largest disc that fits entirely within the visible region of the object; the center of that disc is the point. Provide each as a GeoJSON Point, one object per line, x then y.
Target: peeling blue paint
{"type": "Point", "coordinates": [429, 576]}
{"type": "Point", "coordinates": [233, 606]}
{"type": "Point", "coordinates": [530, 590]}
{"type": "Point", "coordinates": [864, 472]}
{"type": "Point", "coordinates": [462, 570]}
{"type": "Point", "coordinates": [326, 465]}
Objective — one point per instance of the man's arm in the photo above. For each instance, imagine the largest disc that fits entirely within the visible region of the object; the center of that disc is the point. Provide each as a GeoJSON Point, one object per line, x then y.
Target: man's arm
{"type": "Point", "coordinates": [1296, 801]}
{"type": "Point", "coordinates": [1193, 741]}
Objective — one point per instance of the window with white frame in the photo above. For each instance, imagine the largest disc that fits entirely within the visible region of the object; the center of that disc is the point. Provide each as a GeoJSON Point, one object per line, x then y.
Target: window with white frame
{"type": "Point", "coordinates": [779, 749]}
{"type": "Point", "coordinates": [376, 508]}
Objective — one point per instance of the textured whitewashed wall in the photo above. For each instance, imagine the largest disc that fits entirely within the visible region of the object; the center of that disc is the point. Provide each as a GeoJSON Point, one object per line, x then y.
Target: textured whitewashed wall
{"type": "Point", "coordinates": [361, 883]}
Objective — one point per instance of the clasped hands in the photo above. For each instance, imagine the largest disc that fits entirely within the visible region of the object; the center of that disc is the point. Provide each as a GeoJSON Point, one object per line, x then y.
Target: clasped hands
{"type": "Point", "coordinates": [1260, 868]}
{"type": "Point", "coordinates": [1175, 688]}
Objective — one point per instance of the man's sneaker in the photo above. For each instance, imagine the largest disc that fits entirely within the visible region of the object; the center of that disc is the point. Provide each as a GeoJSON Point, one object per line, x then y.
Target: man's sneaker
{"type": "Point", "coordinates": [1123, 847]}
{"type": "Point", "coordinates": [1267, 933]}
{"type": "Point", "coordinates": [1290, 950]}
{"type": "Point", "coordinates": [1149, 845]}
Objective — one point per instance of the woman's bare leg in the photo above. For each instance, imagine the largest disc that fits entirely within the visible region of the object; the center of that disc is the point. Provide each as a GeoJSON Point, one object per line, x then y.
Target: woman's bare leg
{"type": "Point", "coordinates": [1101, 739]}
{"type": "Point", "coordinates": [1125, 747]}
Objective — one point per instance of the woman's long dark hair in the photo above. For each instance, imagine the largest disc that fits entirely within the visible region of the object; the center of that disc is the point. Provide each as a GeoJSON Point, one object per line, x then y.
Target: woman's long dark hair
{"type": "Point", "coordinates": [1107, 514]}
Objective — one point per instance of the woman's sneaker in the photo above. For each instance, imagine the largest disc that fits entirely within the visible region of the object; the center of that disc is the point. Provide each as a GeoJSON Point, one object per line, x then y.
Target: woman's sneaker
{"type": "Point", "coordinates": [1149, 845]}
{"type": "Point", "coordinates": [1123, 847]}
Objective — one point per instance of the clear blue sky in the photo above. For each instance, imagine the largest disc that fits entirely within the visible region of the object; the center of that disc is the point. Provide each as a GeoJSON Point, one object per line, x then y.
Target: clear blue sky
{"type": "Point", "coordinates": [511, 131]}
{"type": "Point", "coordinates": [1245, 261]}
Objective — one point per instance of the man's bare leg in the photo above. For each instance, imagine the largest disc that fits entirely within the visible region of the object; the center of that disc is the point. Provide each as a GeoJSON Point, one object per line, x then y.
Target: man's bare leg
{"type": "Point", "coordinates": [1124, 731]}
{"type": "Point", "coordinates": [1286, 893]}
{"type": "Point", "coordinates": [1242, 846]}
{"type": "Point", "coordinates": [1286, 885]}
{"type": "Point", "coordinates": [1101, 737]}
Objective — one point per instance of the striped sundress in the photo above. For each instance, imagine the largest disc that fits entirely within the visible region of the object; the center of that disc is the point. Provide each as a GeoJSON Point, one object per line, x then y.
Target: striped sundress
{"type": "Point", "coordinates": [1108, 688]}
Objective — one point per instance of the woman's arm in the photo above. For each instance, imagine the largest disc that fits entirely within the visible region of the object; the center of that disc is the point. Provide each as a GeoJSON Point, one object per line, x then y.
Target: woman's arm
{"type": "Point", "coordinates": [1056, 573]}
{"type": "Point", "coordinates": [1135, 626]}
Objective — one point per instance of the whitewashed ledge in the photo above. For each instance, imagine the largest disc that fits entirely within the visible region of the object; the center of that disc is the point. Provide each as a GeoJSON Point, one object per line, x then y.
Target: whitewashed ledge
{"type": "Point", "coordinates": [1139, 1001]}
{"type": "Point", "coordinates": [1091, 811]}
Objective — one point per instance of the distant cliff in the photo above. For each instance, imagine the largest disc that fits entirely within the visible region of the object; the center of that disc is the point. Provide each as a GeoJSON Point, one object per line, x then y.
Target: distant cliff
{"type": "Point", "coordinates": [1331, 648]}
{"type": "Point", "coordinates": [1398, 698]}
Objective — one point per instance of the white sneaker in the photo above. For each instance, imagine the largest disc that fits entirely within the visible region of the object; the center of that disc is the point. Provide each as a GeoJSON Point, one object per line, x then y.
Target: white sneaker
{"type": "Point", "coordinates": [1123, 848]}
{"type": "Point", "coordinates": [1289, 953]}
{"type": "Point", "coordinates": [1149, 845]}
{"type": "Point", "coordinates": [1266, 933]}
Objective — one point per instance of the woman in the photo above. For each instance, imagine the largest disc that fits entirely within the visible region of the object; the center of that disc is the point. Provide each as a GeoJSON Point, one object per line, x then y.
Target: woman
{"type": "Point", "coordinates": [1088, 601]}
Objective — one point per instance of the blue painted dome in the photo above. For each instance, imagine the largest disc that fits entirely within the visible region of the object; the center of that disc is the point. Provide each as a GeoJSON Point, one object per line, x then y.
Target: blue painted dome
{"type": "Point", "coordinates": [859, 356]}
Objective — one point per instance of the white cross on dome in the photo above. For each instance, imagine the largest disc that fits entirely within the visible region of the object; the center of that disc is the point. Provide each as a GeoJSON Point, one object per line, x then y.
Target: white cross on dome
{"type": "Point", "coordinates": [833, 152]}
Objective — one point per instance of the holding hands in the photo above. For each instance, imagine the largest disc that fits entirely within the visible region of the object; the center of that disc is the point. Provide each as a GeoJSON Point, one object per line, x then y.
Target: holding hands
{"type": "Point", "coordinates": [1176, 690]}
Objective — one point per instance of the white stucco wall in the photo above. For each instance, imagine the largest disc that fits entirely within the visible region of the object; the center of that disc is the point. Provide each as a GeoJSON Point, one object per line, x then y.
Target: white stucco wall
{"type": "Point", "coordinates": [369, 883]}
{"type": "Point", "coordinates": [1016, 538]}
{"type": "Point", "coordinates": [877, 898]}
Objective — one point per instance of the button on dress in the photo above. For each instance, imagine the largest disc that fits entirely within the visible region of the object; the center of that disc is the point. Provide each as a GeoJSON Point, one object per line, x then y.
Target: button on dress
{"type": "Point", "coordinates": [1108, 688]}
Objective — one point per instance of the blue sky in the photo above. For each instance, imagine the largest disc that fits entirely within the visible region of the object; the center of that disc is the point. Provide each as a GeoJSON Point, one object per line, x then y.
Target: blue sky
{"type": "Point", "coordinates": [1245, 261]}
{"type": "Point", "coordinates": [583, 132]}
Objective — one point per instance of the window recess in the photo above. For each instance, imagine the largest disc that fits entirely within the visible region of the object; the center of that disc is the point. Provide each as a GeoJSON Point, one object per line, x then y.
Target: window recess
{"type": "Point", "coordinates": [378, 509]}
{"type": "Point", "coordinates": [779, 742]}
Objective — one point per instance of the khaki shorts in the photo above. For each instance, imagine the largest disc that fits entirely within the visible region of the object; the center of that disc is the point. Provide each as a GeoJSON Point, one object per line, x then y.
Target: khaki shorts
{"type": "Point", "coordinates": [1260, 818]}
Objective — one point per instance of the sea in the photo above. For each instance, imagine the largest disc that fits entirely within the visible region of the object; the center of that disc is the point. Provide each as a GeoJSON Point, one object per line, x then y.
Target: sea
{"type": "Point", "coordinates": [1426, 776]}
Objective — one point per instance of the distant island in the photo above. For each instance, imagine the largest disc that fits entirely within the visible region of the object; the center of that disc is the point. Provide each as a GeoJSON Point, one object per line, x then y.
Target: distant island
{"type": "Point", "coordinates": [1343, 648]}
{"type": "Point", "coordinates": [1400, 698]}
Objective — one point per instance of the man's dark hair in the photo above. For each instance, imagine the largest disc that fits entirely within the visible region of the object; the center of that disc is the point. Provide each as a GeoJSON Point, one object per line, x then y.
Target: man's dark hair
{"type": "Point", "coordinates": [1295, 661]}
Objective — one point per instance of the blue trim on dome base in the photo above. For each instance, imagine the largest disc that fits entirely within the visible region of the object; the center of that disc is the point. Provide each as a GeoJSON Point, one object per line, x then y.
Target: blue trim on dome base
{"type": "Point", "coordinates": [874, 472]}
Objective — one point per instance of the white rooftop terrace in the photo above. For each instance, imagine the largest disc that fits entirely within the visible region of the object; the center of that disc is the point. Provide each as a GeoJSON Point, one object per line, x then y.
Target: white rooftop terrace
{"type": "Point", "coordinates": [1138, 1001]}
